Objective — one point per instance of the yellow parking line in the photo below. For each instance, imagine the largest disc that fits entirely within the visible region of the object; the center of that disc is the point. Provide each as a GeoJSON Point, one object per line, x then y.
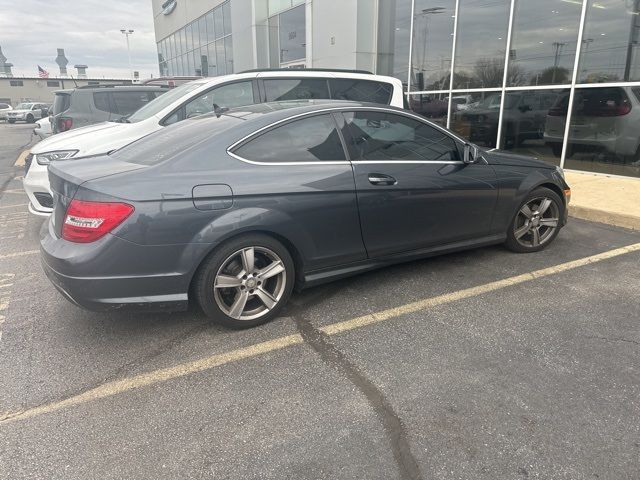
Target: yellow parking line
{"type": "Point", "coordinates": [21, 158]}
{"type": "Point", "coordinates": [19, 254]}
{"type": "Point", "coordinates": [15, 206]}
{"type": "Point", "coordinates": [163, 375]}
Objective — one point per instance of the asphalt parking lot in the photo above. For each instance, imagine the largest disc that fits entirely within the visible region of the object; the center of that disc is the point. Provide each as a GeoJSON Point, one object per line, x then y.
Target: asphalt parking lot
{"type": "Point", "coordinates": [482, 364]}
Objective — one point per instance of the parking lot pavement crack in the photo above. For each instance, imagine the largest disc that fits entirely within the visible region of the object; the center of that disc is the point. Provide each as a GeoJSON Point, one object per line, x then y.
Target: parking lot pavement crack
{"type": "Point", "coordinates": [391, 422]}
{"type": "Point", "coordinates": [607, 339]}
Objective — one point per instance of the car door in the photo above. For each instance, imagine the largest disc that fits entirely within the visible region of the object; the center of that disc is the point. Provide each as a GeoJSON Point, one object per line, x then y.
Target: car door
{"type": "Point", "coordinates": [299, 170]}
{"type": "Point", "coordinates": [413, 189]}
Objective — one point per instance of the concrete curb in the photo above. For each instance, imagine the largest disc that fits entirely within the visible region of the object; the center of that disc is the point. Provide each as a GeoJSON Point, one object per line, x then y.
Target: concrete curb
{"type": "Point", "coordinates": [610, 218]}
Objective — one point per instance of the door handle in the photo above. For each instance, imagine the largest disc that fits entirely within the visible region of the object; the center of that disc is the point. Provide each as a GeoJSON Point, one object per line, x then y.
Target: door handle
{"type": "Point", "coordinates": [381, 179]}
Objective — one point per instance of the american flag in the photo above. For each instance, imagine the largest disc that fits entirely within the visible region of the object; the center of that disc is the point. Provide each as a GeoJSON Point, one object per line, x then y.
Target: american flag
{"type": "Point", "coordinates": [42, 73]}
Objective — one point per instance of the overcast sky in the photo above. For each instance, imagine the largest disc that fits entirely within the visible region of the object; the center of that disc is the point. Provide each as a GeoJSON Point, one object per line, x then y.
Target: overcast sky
{"type": "Point", "coordinates": [88, 30]}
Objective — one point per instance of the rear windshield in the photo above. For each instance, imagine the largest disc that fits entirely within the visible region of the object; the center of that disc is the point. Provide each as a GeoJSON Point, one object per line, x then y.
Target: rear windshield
{"type": "Point", "coordinates": [61, 102]}
{"type": "Point", "coordinates": [163, 101]}
{"type": "Point", "coordinates": [173, 140]}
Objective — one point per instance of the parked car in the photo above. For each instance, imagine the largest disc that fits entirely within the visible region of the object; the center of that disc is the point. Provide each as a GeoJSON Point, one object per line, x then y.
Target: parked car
{"type": "Point", "coordinates": [28, 112]}
{"type": "Point", "coordinates": [4, 108]}
{"type": "Point", "coordinates": [604, 119]}
{"type": "Point", "coordinates": [91, 104]}
{"type": "Point", "coordinates": [462, 102]}
{"type": "Point", "coordinates": [429, 106]}
{"type": "Point", "coordinates": [200, 212]}
{"type": "Point", "coordinates": [168, 81]}
{"type": "Point", "coordinates": [196, 98]}
{"type": "Point", "coordinates": [523, 118]}
{"type": "Point", "coordinates": [42, 128]}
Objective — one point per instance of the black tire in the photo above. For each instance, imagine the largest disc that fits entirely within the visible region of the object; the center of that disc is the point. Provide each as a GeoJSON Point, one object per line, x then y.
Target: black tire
{"type": "Point", "coordinates": [556, 149]}
{"type": "Point", "coordinates": [30, 118]}
{"type": "Point", "coordinates": [522, 246]}
{"type": "Point", "coordinates": [11, 121]}
{"type": "Point", "coordinates": [205, 279]}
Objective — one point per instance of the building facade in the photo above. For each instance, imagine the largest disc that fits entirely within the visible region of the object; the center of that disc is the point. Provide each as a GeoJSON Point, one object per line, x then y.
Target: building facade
{"type": "Point", "coordinates": [14, 90]}
{"type": "Point", "coordinates": [556, 79]}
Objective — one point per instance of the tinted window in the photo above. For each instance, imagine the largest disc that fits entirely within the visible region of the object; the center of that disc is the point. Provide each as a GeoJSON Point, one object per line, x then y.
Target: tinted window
{"type": "Point", "coordinates": [231, 95]}
{"type": "Point", "coordinates": [101, 101]}
{"type": "Point", "coordinates": [385, 136]}
{"type": "Point", "coordinates": [361, 90]}
{"type": "Point", "coordinates": [4, 105]}
{"type": "Point", "coordinates": [310, 139]}
{"type": "Point", "coordinates": [292, 89]}
{"type": "Point", "coordinates": [126, 103]}
{"type": "Point", "coordinates": [61, 103]}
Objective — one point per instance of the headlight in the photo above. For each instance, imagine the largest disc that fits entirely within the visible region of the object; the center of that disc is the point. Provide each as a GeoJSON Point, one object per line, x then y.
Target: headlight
{"type": "Point", "coordinates": [47, 158]}
{"type": "Point", "coordinates": [560, 172]}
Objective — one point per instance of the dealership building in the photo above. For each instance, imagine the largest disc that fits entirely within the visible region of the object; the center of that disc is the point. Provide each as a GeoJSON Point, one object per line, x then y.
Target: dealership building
{"type": "Point", "coordinates": [555, 79]}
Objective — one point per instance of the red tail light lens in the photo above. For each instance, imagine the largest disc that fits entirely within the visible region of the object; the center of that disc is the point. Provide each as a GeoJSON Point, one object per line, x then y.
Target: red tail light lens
{"type": "Point", "coordinates": [65, 124]}
{"type": "Point", "coordinates": [86, 222]}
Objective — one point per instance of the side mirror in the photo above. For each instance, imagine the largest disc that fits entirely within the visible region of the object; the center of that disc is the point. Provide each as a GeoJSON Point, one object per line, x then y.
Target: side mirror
{"type": "Point", "coordinates": [471, 154]}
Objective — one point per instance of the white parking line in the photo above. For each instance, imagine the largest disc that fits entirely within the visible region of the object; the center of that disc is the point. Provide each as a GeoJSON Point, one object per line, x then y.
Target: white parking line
{"type": "Point", "coordinates": [19, 254]}
{"type": "Point", "coordinates": [15, 206]}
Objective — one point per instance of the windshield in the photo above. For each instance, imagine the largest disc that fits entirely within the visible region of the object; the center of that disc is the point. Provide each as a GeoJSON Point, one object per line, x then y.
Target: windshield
{"type": "Point", "coordinates": [24, 106]}
{"type": "Point", "coordinates": [163, 101]}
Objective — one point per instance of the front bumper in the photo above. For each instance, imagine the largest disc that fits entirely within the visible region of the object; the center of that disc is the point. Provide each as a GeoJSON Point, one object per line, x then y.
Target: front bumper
{"type": "Point", "coordinates": [112, 273]}
{"type": "Point", "coordinates": [36, 184]}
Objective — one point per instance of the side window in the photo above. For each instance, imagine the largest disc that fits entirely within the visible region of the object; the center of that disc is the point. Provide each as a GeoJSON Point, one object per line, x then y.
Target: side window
{"type": "Point", "coordinates": [231, 95]}
{"type": "Point", "coordinates": [309, 139]}
{"type": "Point", "coordinates": [386, 136]}
{"type": "Point", "coordinates": [101, 101]}
{"type": "Point", "coordinates": [125, 103]}
{"type": "Point", "coordinates": [361, 90]}
{"type": "Point", "coordinates": [295, 89]}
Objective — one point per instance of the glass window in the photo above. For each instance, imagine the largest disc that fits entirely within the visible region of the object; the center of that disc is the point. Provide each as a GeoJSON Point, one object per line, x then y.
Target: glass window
{"type": "Point", "coordinates": [531, 124]}
{"type": "Point", "coordinates": [292, 35]}
{"type": "Point", "coordinates": [211, 56]}
{"type": "Point", "coordinates": [310, 139]}
{"type": "Point", "coordinates": [228, 53]}
{"type": "Point", "coordinates": [226, 13]}
{"type": "Point", "coordinates": [474, 116]}
{"type": "Point", "coordinates": [162, 102]}
{"type": "Point", "coordinates": [171, 46]}
{"type": "Point", "coordinates": [211, 35]}
{"type": "Point", "coordinates": [125, 103]}
{"type": "Point", "coordinates": [386, 136]}
{"type": "Point", "coordinates": [274, 48]}
{"type": "Point", "coordinates": [292, 89]}
{"type": "Point", "coordinates": [603, 134]}
{"type": "Point", "coordinates": [231, 95]}
{"type": "Point", "coordinates": [218, 19]}
{"type": "Point", "coordinates": [183, 42]}
{"type": "Point", "coordinates": [195, 29]}
{"type": "Point", "coordinates": [610, 42]}
{"type": "Point", "coordinates": [481, 43]}
{"type": "Point", "coordinates": [220, 60]}
{"type": "Point", "coordinates": [433, 106]}
{"type": "Point", "coordinates": [101, 101]}
{"type": "Point", "coordinates": [204, 61]}
{"type": "Point", "coordinates": [191, 69]}
{"type": "Point", "coordinates": [198, 62]}
{"type": "Point", "coordinates": [543, 42]}
{"type": "Point", "coordinates": [53, 83]}
{"type": "Point", "coordinates": [202, 27]}
{"type": "Point", "coordinates": [361, 90]}
{"type": "Point", "coordinates": [397, 65]}
{"type": "Point", "coordinates": [188, 37]}
{"type": "Point", "coordinates": [432, 42]}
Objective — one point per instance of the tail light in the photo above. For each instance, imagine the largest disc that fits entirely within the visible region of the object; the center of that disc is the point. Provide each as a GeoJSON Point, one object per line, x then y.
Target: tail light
{"type": "Point", "coordinates": [86, 222]}
{"type": "Point", "coordinates": [609, 108]}
{"type": "Point", "coordinates": [64, 124]}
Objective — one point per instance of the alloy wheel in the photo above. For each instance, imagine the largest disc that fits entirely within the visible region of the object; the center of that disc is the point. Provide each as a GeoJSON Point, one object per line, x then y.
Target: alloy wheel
{"type": "Point", "coordinates": [536, 222]}
{"type": "Point", "coordinates": [250, 283]}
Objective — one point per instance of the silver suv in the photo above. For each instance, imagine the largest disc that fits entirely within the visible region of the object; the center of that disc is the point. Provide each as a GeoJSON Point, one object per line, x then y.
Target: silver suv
{"type": "Point", "coordinates": [91, 104]}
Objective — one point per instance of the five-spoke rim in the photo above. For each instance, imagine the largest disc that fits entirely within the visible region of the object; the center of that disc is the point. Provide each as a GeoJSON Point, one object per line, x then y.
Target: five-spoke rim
{"type": "Point", "coordinates": [250, 283]}
{"type": "Point", "coordinates": [536, 222]}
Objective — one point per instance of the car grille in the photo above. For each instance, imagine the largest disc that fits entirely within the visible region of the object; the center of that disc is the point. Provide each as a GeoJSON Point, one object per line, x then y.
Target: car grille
{"type": "Point", "coordinates": [44, 199]}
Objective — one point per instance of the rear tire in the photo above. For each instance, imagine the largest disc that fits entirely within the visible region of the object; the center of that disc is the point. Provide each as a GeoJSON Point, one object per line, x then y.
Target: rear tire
{"type": "Point", "coordinates": [11, 121]}
{"type": "Point", "coordinates": [245, 282]}
{"type": "Point", "coordinates": [537, 222]}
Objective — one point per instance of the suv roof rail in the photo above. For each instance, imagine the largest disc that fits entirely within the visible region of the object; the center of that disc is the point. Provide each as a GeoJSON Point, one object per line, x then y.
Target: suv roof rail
{"type": "Point", "coordinates": [294, 70]}
{"type": "Point", "coordinates": [120, 85]}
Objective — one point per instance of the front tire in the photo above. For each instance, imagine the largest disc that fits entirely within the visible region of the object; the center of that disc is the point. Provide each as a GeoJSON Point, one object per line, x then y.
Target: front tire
{"type": "Point", "coordinates": [537, 221]}
{"type": "Point", "coordinates": [245, 282]}
{"type": "Point", "coordinates": [30, 118]}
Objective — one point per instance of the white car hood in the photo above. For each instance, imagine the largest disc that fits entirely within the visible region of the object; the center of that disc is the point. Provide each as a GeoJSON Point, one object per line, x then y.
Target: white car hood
{"type": "Point", "coordinates": [95, 139]}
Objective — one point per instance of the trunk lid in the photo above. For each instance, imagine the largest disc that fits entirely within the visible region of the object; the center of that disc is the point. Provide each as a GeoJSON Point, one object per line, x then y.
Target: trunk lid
{"type": "Point", "coordinates": [66, 176]}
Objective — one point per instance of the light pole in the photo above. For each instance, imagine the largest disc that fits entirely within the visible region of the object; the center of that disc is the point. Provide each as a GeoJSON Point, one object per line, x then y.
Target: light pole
{"type": "Point", "coordinates": [126, 33]}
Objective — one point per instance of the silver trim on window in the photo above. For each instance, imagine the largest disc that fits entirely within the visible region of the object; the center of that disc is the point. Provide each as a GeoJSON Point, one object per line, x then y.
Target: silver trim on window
{"type": "Point", "coordinates": [342, 162]}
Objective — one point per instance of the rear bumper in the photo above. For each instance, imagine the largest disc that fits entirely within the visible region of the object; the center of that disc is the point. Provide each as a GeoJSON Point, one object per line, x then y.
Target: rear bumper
{"type": "Point", "coordinates": [113, 274]}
